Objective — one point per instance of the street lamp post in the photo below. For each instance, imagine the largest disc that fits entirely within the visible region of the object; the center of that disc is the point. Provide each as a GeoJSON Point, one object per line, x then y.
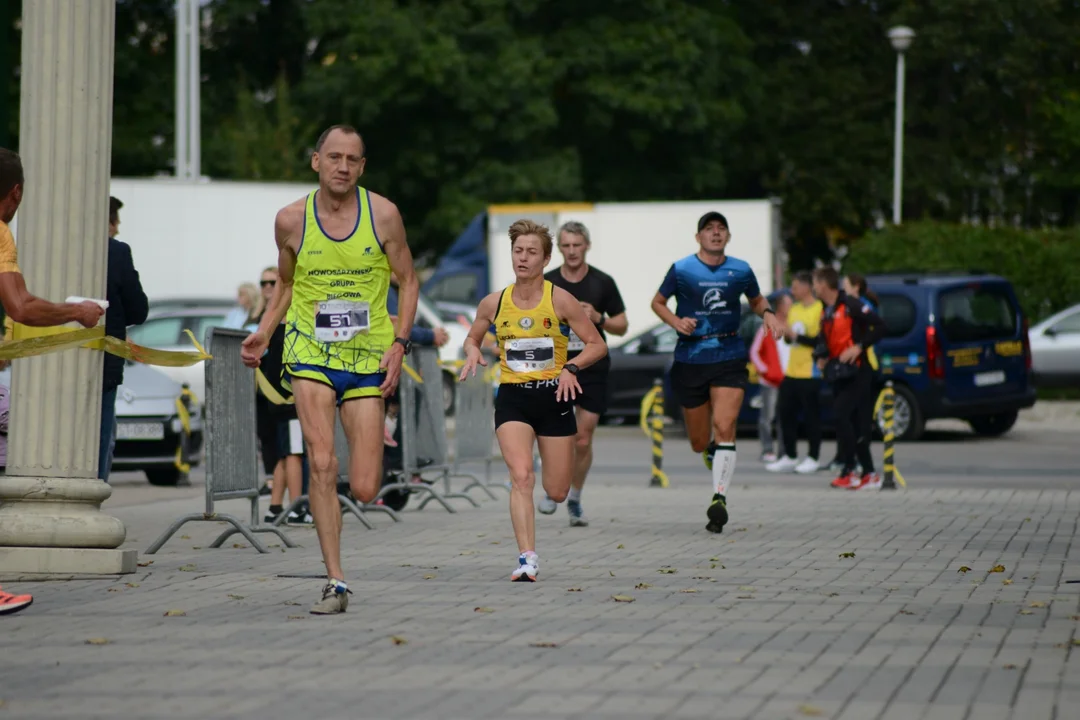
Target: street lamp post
{"type": "Point", "coordinates": [901, 38]}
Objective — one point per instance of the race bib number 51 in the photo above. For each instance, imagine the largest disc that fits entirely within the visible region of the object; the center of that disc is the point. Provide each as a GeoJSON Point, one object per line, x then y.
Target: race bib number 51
{"type": "Point", "coordinates": [340, 320]}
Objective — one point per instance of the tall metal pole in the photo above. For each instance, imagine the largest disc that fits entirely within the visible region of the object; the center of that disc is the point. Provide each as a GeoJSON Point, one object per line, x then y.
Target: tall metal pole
{"type": "Point", "coordinates": [181, 115]}
{"type": "Point", "coordinates": [898, 149]}
{"type": "Point", "coordinates": [194, 126]}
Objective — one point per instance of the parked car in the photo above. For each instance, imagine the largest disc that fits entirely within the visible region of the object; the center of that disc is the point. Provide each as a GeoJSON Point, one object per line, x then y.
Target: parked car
{"type": "Point", "coordinates": [148, 426]}
{"type": "Point", "coordinates": [164, 330]}
{"type": "Point", "coordinates": [1055, 349]}
{"type": "Point", "coordinates": [956, 346]}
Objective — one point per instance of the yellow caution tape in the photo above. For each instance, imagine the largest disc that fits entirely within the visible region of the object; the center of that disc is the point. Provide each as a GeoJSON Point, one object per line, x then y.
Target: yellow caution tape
{"type": "Point", "coordinates": [29, 341]}
{"type": "Point", "coordinates": [412, 373]}
{"type": "Point", "coordinates": [269, 391]}
{"type": "Point", "coordinates": [185, 423]}
{"type": "Point", "coordinates": [646, 407]}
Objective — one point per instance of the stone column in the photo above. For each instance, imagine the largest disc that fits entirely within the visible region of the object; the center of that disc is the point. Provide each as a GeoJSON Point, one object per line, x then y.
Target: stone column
{"type": "Point", "coordinates": [51, 520]}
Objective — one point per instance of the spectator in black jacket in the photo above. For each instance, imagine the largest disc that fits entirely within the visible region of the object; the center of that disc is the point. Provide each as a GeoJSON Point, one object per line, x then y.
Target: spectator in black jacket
{"type": "Point", "coordinates": [127, 306]}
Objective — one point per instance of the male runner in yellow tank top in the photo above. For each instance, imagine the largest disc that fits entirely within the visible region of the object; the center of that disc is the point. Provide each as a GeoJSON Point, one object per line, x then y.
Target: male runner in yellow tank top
{"type": "Point", "coordinates": [336, 249]}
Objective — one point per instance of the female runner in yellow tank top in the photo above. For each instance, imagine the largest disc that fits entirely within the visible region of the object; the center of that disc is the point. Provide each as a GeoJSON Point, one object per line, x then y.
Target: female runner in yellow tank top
{"type": "Point", "coordinates": [531, 319]}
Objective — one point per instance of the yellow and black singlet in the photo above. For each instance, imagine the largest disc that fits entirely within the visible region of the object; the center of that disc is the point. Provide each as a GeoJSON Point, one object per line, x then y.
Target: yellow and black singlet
{"type": "Point", "coordinates": [533, 343]}
{"type": "Point", "coordinates": [338, 318]}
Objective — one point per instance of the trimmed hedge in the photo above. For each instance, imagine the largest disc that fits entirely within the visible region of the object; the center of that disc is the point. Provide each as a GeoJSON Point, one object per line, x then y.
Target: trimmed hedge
{"type": "Point", "coordinates": [1042, 265]}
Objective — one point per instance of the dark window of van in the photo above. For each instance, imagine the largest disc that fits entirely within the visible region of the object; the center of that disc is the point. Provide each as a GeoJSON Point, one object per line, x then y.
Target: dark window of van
{"type": "Point", "coordinates": [453, 288]}
{"type": "Point", "coordinates": [898, 312]}
{"type": "Point", "coordinates": [971, 314]}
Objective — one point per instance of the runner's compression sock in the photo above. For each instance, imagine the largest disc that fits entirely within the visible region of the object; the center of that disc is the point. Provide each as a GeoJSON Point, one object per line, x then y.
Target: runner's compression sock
{"type": "Point", "coordinates": [574, 495]}
{"type": "Point", "coordinates": [723, 468]}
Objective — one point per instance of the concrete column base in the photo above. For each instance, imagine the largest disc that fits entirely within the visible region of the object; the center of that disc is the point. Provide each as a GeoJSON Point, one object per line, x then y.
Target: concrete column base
{"type": "Point", "coordinates": [26, 563]}
{"type": "Point", "coordinates": [56, 513]}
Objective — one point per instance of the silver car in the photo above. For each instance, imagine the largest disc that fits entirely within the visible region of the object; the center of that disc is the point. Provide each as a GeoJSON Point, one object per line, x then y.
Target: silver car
{"type": "Point", "coordinates": [1055, 349]}
{"type": "Point", "coordinates": [148, 427]}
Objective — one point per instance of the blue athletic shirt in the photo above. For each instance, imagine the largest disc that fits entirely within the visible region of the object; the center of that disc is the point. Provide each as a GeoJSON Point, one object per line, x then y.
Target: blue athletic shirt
{"type": "Point", "coordinates": [710, 294]}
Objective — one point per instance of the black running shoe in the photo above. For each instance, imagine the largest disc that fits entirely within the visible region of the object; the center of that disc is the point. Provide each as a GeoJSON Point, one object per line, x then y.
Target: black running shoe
{"type": "Point", "coordinates": [717, 514]}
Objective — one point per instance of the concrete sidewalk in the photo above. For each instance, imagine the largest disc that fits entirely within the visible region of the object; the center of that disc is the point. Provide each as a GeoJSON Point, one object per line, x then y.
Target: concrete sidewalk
{"type": "Point", "coordinates": [814, 603]}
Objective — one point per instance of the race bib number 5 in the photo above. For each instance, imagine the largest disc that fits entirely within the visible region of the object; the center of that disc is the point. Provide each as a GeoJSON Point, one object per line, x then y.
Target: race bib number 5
{"type": "Point", "coordinates": [530, 354]}
{"type": "Point", "coordinates": [340, 320]}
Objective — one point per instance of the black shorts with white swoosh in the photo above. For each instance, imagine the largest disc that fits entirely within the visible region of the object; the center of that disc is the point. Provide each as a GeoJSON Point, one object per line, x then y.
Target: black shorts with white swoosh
{"type": "Point", "coordinates": [534, 404]}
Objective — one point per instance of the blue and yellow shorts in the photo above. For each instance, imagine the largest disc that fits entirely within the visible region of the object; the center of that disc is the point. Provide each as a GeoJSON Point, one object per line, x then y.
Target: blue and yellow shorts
{"type": "Point", "coordinates": [347, 385]}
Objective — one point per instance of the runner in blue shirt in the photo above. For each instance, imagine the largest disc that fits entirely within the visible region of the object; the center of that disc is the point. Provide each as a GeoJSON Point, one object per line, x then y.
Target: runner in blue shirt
{"type": "Point", "coordinates": [710, 374]}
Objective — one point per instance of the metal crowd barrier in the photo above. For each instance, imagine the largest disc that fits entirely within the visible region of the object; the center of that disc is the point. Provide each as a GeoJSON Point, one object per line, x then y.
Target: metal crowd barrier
{"type": "Point", "coordinates": [423, 431]}
{"type": "Point", "coordinates": [232, 471]}
{"type": "Point", "coordinates": [474, 427]}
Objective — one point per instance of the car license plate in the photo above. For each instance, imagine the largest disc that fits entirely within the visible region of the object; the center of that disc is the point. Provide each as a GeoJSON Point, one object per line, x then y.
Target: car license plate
{"type": "Point", "coordinates": [989, 378]}
{"type": "Point", "coordinates": [140, 431]}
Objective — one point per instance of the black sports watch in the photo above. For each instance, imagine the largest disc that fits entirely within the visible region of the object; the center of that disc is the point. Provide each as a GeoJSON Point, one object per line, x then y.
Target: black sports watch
{"type": "Point", "coordinates": [570, 368]}
{"type": "Point", "coordinates": [405, 343]}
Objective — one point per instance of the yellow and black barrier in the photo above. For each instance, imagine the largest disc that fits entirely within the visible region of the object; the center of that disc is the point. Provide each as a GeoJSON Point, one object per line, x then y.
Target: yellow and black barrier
{"type": "Point", "coordinates": [888, 406]}
{"type": "Point", "coordinates": [184, 403]}
{"type": "Point", "coordinates": [652, 413]}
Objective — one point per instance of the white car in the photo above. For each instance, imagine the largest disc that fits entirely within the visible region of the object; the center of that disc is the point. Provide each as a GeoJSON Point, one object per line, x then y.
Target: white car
{"type": "Point", "coordinates": [164, 330]}
{"type": "Point", "coordinates": [1055, 349]}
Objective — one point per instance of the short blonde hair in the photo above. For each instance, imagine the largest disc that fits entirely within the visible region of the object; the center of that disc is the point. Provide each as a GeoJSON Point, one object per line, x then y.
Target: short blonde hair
{"type": "Point", "coordinates": [530, 227]}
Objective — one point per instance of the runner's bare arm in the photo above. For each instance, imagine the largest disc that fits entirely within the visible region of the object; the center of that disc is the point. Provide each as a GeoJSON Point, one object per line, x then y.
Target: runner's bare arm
{"type": "Point", "coordinates": [391, 232]}
{"type": "Point", "coordinates": [617, 325]}
{"type": "Point", "coordinates": [569, 309]}
{"type": "Point", "coordinates": [27, 309]}
{"type": "Point", "coordinates": [485, 315]}
{"type": "Point", "coordinates": [287, 226]}
{"type": "Point", "coordinates": [759, 306]}
{"type": "Point", "coordinates": [683, 326]}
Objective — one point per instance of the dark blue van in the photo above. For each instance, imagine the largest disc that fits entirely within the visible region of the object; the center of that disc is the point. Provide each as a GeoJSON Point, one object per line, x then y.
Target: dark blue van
{"type": "Point", "coordinates": [956, 347]}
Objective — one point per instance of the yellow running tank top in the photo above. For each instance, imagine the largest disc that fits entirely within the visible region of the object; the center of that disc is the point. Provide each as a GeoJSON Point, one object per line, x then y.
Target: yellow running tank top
{"type": "Point", "coordinates": [533, 343]}
{"type": "Point", "coordinates": [338, 317]}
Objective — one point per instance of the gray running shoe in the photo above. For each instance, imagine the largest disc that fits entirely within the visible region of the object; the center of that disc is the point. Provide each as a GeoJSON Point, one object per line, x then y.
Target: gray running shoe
{"type": "Point", "coordinates": [547, 506]}
{"type": "Point", "coordinates": [577, 518]}
{"type": "Point", "coordinates": [335, 598]}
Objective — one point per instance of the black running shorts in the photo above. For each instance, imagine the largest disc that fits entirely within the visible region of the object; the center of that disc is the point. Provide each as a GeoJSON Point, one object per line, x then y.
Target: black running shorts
{"type": "Point", "coordinates": [594, 389]}
{"type": "Point", "coordinates": [534, 404]}
{"type": "Point", "coordinates": [691, 383]}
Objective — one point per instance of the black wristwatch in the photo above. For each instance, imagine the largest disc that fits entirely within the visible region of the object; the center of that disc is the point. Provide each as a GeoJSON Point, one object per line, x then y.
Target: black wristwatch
{"type": "Point", "coordinates": [767, 310]}
{"type": "Point", "coordinates": [570, 368]}
{"type": "Point", "coordinates": [405, 343]}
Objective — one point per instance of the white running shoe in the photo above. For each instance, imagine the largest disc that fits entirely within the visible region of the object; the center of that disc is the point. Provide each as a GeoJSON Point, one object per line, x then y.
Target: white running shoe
{"type": "Point", "coordinates": [808, 466]}
{"type": "Point", "coordinates": [784, 464]}
{"type": "Point", "coordinates": [528, 568]}
{"type": "Point", "coordinates": [547, 506]}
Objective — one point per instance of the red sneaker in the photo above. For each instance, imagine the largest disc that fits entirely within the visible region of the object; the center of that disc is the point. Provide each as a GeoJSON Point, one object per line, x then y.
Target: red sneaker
{"type": "Point", "coordinates": [846, 481]}
{"type": "Point", "coordinates": [13, 603]}
{"type": "Point", "coordinates": [869, 481]}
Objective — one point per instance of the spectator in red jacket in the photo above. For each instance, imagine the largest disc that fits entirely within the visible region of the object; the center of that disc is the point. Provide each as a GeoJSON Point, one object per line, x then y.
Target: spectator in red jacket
{"type": "Point", "coordinates": [770, 358]}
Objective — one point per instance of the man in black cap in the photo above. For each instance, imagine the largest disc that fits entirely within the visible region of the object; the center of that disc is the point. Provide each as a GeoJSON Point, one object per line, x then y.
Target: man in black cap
{"type": "Point", "coordinates": [710, 373]}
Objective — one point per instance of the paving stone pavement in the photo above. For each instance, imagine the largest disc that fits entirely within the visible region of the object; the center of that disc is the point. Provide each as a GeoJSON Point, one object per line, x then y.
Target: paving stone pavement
{"type": "Point", "coordinates": [770, 620]}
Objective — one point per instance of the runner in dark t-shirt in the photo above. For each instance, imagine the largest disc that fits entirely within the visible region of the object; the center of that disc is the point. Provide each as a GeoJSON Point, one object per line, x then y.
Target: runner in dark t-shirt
{"type": "Point", "coordinates": [599, 297]}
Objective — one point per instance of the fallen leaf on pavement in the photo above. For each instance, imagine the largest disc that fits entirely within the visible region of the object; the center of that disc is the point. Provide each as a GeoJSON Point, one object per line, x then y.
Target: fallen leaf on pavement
{"type": "Point", "coordinates": [811, 711]}
{"type": "Point", "coordinates": [1074, 617]}
{"type": "Point", "coordinates": [297, 617]}
{"type": "Point", "coordinates": [146, 563]}
{"type": "Point", "coordinates": [667, 570]}
{"type": "Point", "coordinates": [701, 577]}
{"type": "Point", "coordinates": [185, 537]}
{"type": "Point", "coordinates": [132, 585]}
{"type": "Point", "coordinates": [1027, 519]}
{"type": "Point", "coordinates": [642, 586]}
{"type": "Point", "coordinates": [483, 610]}
{"type": "Point", "coordinates": [98, 641]}
{"type": "Point", "coordinates": [1006, 581]}
{"type": "Point", "coordinates": [494, 542]}
{"type": "Point", "coordinates": [1037, 604]}
{"type": "Point", "coordinates": [239, 545]}
{"type": "Point", "coordinates": [611, 573]}
{"type": "Point", "coordinates": [622, 598]}
{"type": "Point", "coordinates": [745, 597]}
{"type": "Point", "coordinates": [1010, 666]}
{"type": "Point", "coordinates": [468, 552]}
{"type": "Point", "coordinates": [620, 546]}
{"type": "Point", "coordinates": [964, 569]}
{"type": "Point", "coordinates": [236, 597]}
{"type": "Point", "coordinates": [1025, 612]}
{"type": "Point", "coordinates": [688, 590]}
{"type": "Point", "coordinates": [906, 612]}
{"type": "Point", "coordinates": [290, 602]}
{"type": "Point", "coordinates": [174, 613]}
{"type": "Point", "coordinates": [714, 559]}
{"type": "Point", "coordinates": [746, 588]}
{"type": "Point", "coordinates": [740, 529]}
{"type": "Point", "coordinates": [114, 589]}
{"type": "Point", "coordinates": [998, 568]}
{"type": "Point", "coordinates": [1076, 641]}
{"type": "Point", "coordinates": [429, 576]}
{"type": "Point", "coordinates": [186, 568]}
{"type": "Point", "coordinates": [543, 645]}
{"type": "Point", "coordinates": [573, 589]}
{"type": "Point", "coordinates": [398, 640]}
{"type": "Point", "coordinates": [847, 554]}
